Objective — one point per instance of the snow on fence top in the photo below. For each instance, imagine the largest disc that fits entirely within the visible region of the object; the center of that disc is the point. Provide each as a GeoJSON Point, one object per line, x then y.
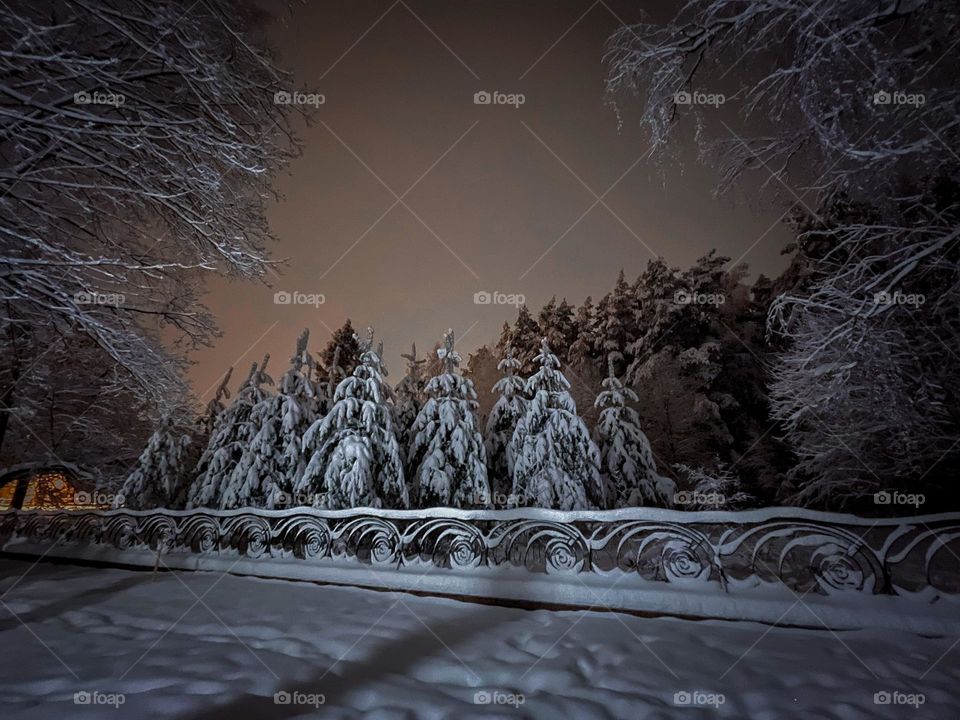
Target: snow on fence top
{"type": "Point", "coordinates": [608, 559]}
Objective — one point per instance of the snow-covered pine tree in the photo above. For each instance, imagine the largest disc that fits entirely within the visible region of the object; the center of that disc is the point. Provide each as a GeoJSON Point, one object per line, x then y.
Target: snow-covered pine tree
{"type": "Point", "coordinates": [202, 490]}
{"type": "Point", "coordinates": [269, 465]}
{"type": "Point", "coordinates": [259, 469]}
{"type": "Point", "coordinates": [507, 411]}
{"type": "Point", "coordinates": [354, 456]}
{"type": "Point", "coordinates": [581, 349]}
{"type": "Point", "coordinates": [546, 319]}
{"type": "Point", "coordinates": [232, 434]}
{"type": "Point", "coordinates": [327, 379]}
{"type": "Point", "coordinates": [197, 457]}
{"type": "Point", "coordinates": [409, 396]}
{"type": "Point", "coordinates": [627, 465]}
{"type": "Point", "coordinates": [557, 325]}
{"type": "Point", "coordinates": [298, 411]}
{"type": "Point", "coordinates": [481, 370]}
{"type": "Point", "coordinates": [202, 430]}
{"type": "Point", "coordinates": [616, 323]}
{"type": "Point", "coordinates": [158, 477]}
{"type": "Point", "coordinates": [346, 341]}
{"type": "Point", "coordinates": [215, 407]}
{"type": "Point", "coordinates": [524, 338]}
{"type": "Point", "coordinates": [503, 342]}
{"type": "Point", "coordinates": [555, 463]}
{"type": "Point", "coordinates": [434, 364]}
{"type": "Point", "coordinates": [447, 456]}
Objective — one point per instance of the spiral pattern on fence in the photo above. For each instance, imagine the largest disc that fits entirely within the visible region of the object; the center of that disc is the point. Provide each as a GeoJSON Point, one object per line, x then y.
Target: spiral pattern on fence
{"type": "Point", "coordinates": [916, 556]}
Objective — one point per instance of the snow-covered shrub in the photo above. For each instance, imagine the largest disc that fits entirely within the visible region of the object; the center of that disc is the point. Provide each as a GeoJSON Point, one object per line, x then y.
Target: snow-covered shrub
{"type": "Point", "coordinates": [720, 490]}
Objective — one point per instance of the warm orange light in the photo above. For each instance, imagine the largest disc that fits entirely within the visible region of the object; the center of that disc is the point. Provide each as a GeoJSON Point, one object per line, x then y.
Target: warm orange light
{"type": "Point", "coordinates": [6, 494]}
{"type": "Point", "coordinates": [50, 490]}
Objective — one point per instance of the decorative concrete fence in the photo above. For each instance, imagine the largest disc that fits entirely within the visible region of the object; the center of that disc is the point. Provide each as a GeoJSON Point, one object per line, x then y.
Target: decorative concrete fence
{"type": "Point", "coordinates": [776, 565]}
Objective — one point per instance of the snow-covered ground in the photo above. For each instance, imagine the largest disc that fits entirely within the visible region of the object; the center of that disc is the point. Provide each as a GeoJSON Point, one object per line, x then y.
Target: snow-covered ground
{"type": "Point", "coordinates": [81, 642]}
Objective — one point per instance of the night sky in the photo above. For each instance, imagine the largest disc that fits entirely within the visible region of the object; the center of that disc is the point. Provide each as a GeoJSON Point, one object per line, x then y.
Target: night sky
{"type": "Point", "coordinates": [502, 199]}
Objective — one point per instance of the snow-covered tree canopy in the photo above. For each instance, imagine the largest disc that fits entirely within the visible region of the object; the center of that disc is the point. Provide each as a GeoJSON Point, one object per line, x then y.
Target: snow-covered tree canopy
{"type": "Point", "coordinates": [555, 463]}
{"type": "Point", "coordinates": [866, 89]}
{"type": "Point", "coordinates": [140, 139]}
{"type": "Point", "coordinates": [58, 400]}
{"type": "Point", "coordinates": [447, 457]}
{"type": "Point", "coordinates": [848, 111]}
{"type": "Point", "coordinates": [354, 457]}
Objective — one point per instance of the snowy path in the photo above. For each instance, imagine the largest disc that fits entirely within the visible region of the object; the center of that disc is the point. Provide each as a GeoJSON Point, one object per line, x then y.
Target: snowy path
{"type": "Point", "coordinates": [204, 646]}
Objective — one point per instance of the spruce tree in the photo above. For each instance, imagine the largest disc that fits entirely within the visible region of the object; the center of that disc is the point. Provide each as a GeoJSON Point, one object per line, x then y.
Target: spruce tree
{"type": "Point", "coordinates": [233, 433]}
{"type": "Point", "coordinates": [557, 325]}
{"type": "Point", "coordinates": [327, 379]}
{"type": "Point", "coordinates": [507, 411]}
{"type": "Point", "coordinates": [259, 469]}
{"type": "Point", "coordinates": [206, 425]}
{"type": "Point", "coordinates": [503, 342]}
{"type": "Point", "coordinates": [616, 323]}
{"type": "Point", "coordinates": [447, 453]}
{"type": "Point", "coordinates": [409, 396]}
{"type": "Point", "coordinates": [346, 340]}
{"type": "Point", "coordinates": [215, 407]}
{"type": "Point", "coordinates": [627, 466]}
{"type": "Point", "coordinates": [555, 463]}
{"type": "Point", "coordinates": [526, 340]}
{"type": "Point", "coordinates": [270, 464]}
{"type": "Point", "coordinates": [299, 407]}
{"type": "Point", "coordinates": [481, 370]}
{"type": "Point", "coordinates": [584, 331]}
{"type": "Point", "coordinates": [354, 456]}
{"type": "Point", "coordinates": [158, 477]}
